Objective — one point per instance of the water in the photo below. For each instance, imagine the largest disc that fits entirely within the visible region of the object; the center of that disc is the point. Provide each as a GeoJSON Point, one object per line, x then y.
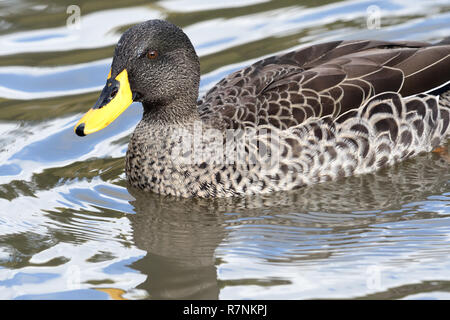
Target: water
{"type": "Point", "coordinates": [70, 228]}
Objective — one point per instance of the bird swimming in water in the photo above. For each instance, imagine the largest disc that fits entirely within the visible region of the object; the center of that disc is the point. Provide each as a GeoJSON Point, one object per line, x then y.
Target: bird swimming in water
{"type": "Point", "coordinates": [311, 115]}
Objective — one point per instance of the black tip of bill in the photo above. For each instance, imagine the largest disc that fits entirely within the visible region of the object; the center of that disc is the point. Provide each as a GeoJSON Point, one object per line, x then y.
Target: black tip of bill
{"type": "Point", "coordinates": [80, 130]}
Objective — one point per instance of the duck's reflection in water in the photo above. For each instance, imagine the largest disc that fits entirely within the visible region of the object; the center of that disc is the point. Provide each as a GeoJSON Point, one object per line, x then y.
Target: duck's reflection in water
{"type": "Point", "coordinates": [181, 235]}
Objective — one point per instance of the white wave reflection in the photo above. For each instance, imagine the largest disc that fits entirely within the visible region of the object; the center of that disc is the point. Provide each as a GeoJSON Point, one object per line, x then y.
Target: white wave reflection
{"type": "Point", "coordinates": [97, 30]}
{"type": "Point", "coordinates": [93, 235]}
{"type": "Point", "coordinates": [27, 83]}
{"type": "Point", "coordinates": [309, 264]}
{"type": "Point", "coordinates": [77, 195]}
{"type": "Point", "coordinates": [22, 155]}
{"type": "Point", "coordinates": [219, 34]}
{"type": "Point", "coordinates": [78, 274]}
{"type": "Point", "coordinates": [201, 5]}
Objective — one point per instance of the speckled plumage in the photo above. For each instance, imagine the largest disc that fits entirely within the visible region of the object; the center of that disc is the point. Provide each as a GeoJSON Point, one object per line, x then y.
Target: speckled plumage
{"type": "Point", "coordinates": [312, 115]}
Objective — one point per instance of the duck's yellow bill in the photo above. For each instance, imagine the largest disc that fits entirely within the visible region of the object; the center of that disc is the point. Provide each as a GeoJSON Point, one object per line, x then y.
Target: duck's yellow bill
{"type": "Point", "coordinates": [116, 96]}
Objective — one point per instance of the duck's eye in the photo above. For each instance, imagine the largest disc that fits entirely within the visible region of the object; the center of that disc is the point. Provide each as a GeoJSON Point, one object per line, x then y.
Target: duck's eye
{"type": "Point", "coordinates": [152, 54]}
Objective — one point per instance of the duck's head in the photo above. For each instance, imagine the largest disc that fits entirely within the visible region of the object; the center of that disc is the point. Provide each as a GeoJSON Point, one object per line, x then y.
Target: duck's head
{"type": "Point", "coordinates": [154, 63]}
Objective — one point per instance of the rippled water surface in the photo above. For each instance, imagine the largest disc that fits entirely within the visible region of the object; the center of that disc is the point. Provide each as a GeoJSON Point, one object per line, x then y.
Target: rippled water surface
{"type": "Point", "coordinates": [71, 229]}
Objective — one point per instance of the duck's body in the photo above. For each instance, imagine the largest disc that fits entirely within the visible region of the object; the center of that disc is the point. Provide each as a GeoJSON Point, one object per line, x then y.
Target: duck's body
{"type": "Point", "coordinates": [312, 115]}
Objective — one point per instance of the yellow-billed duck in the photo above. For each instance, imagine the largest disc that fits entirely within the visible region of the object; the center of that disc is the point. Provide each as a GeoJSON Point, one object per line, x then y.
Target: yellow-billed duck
{"type": "Point", "coordinates": [311, 115]}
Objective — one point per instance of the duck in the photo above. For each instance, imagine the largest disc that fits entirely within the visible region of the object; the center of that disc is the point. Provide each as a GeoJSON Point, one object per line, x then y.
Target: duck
{"type": "Point", "coordinates": [311, 115]}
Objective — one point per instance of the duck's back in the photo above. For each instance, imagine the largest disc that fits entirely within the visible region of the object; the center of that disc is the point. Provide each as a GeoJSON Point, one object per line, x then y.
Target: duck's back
{"type": "Point", "coordinates": [330, 110]}
{"type": "Point", "coordinates": [324, 80]}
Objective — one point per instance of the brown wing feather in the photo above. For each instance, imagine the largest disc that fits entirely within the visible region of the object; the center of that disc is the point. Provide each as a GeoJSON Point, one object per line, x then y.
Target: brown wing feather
{"type": "Point", "coordinates": [325, 79]}
{"type": "Point", "coordinates": [425, 70]}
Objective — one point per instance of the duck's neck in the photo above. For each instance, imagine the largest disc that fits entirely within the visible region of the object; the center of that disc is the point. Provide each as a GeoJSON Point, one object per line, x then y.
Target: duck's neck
{"type": "Point", "coordinates": [150, 156]}
{"type": "Point", "coordinates": [179, 112]}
